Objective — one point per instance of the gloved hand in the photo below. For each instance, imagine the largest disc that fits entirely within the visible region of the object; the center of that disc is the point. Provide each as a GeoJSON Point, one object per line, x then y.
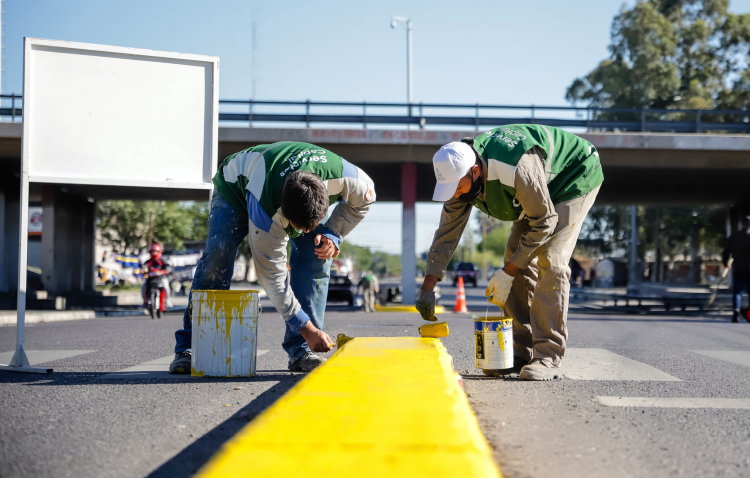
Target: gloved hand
{"type": "Point", "coordinates": [499, 288]}
{"type": "Point", "coordinates": [426, 304]}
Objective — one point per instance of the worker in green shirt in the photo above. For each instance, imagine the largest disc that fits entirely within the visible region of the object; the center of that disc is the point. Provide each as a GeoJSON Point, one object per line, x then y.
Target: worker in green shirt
{"type": "Point", "coordinates": [543, 179]}
{"type": "Point", "coordinates": [370, 289]}
{"type": "Point", "coordinates": [276, 194]}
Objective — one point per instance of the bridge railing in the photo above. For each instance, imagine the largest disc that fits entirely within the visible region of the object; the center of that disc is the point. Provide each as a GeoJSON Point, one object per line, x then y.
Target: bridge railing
{"type": "Point", "coordinates": [477, 116]}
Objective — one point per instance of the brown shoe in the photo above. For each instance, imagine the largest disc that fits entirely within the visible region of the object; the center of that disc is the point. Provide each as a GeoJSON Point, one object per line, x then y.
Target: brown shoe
{"type": "Point", "coordinates": [540, 370]}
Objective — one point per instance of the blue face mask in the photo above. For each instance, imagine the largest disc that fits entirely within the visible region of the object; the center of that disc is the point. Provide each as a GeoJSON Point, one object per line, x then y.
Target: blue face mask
{"type": "Point", "coordinates": [476, 188]}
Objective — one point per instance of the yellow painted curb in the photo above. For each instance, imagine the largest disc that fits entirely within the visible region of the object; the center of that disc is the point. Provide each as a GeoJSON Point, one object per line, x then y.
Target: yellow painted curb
{"type": "Point", "coordinates": [380, 407]}
{"type": "Point", "coordinates": [439, 309]}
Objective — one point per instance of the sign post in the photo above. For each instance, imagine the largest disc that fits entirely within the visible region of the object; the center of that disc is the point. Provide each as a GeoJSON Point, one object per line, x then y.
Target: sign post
{"type": "Point", "coordinates": [102, 118]}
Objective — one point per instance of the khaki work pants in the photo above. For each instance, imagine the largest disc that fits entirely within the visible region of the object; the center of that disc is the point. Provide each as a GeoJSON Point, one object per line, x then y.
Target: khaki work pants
{"type": "Point", "coordinates": [368, 293]}
{"type": "Point", "coordinates": [538, 300]}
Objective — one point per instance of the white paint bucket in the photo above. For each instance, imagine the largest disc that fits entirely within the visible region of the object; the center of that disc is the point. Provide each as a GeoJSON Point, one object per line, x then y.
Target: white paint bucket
{"type": "Point", "coordinates": [225, 333]}
{"type": "Point", "coordinates": [493, 343]}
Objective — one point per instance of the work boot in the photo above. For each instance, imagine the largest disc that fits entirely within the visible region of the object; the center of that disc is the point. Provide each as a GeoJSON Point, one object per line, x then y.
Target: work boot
{"type": "Point", "coordinates": [306, 363]}
{"type": "Point", "coordinates": [539, 370]}
{"type": "Point", "coordinates": [181, 363]}
{"type": "Point", "coordinates": [518, 364]}
{"type": "Point", "coordinates": [735, 316]}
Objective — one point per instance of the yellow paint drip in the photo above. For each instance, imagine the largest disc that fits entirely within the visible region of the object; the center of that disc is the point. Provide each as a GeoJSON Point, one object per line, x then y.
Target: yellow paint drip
{"type": "Point", "coordinates": [439, 309]}
{"type": "Point", "coordinates": [194, 373]}
{"type": "Point", "coordinates": [394, 408]}
{"type": "Point", "coordinates": [341, 339]}
{"type": "Point", "coordinates": [436, 330]}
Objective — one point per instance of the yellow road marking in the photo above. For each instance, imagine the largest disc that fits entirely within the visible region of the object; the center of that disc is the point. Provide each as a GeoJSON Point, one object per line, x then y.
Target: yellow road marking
{"type": "Point", "coordinates": [380, 407]}
{"type": "Point", "coordinates": [439, 309]}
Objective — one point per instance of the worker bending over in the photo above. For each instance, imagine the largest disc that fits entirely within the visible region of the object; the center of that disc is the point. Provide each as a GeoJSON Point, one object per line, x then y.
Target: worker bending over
{"type": "Point", "coordinates": [543, 179]}
{"type": "Point", "coordinates": [285, 190]}
{"type": "Point", "coordinates": [370, 290]}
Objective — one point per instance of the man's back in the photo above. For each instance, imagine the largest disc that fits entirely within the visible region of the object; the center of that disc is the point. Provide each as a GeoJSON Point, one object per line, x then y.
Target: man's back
{"type": "Point", "coordinates": [738, 245]}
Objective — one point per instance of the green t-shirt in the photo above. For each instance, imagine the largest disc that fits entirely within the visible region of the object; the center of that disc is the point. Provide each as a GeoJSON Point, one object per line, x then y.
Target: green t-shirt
{"type": "Point", "coordinates": [251, 180]}
{"type": "Point", "coordinates": [572, 166]}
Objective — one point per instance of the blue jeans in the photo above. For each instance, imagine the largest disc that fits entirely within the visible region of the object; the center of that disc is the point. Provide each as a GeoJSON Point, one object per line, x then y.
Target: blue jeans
{"type": "Point", "coordinates": [309, 275]}
{"type": "Point", "coordinates": [740, 283]}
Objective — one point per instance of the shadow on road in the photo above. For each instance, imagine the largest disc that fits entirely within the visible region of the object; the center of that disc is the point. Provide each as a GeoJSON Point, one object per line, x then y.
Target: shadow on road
{"type": "Point", "coordinates": [192, 458]}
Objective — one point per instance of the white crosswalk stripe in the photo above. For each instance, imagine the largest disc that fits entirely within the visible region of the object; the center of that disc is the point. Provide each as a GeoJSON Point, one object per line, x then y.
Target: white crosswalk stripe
{"type": "Point", "coordinates": [158, 368]}
{"type": "Point", "coordinates": [661, 402]}
{"type": "Point", "coordinates": [601, 364]}
{"type": "Point", "coordinates": [740, 357]}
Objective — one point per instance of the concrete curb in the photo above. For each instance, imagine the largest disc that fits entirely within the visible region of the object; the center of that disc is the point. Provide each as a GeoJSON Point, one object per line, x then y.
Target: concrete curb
{"type": "Point", "coordinates": [35, 316]}
{"type": "Point", "coordinates": [8, 317]}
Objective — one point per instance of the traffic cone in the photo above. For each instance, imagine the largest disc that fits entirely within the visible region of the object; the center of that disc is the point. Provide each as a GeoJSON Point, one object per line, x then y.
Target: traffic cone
{"type": "Point", "coordinates": [460, 297]}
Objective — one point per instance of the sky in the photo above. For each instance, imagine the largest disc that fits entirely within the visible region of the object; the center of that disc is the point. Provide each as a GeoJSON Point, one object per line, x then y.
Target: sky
{"type": "Point", "coordinates": [496, 52]}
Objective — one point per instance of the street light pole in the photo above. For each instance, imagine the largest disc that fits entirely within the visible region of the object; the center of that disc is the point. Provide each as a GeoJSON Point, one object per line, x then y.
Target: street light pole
{"type": "Point", "coordinates": [406, 23]}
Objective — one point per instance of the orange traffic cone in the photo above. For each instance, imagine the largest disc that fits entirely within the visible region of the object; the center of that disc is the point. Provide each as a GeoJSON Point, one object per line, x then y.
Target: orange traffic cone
{"type": "Point", "coordinates": [460, 297]}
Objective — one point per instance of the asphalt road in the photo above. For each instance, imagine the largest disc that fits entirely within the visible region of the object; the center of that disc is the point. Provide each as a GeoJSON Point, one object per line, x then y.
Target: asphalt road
{"type": "Point", "coordinates": [77, 422]}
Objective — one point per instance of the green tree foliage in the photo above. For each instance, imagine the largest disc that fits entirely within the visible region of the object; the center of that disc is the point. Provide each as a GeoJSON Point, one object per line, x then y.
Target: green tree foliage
{"type": "Point", "coordinates": [686, 54]}
{"type": "Point", "coordinates": [360, 256]}
{"type": "Point", "coordinates": [496, 240]}
{"type": "Point", "coordinates": [126, 225]}
{"type": "Point", "coordinates": [364, 259]}
{"type": "Point", "coordinates": [667, 54]}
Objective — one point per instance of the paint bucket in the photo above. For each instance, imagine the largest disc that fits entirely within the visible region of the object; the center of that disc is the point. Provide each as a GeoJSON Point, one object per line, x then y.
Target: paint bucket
{"type": "Point", "coordinates": [493, 343]}
{"type": "Point", "coordinates": [225, 333]}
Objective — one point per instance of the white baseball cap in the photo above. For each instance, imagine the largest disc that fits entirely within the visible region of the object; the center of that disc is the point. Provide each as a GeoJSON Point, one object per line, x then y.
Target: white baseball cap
{"type": "Point", "coordinates": [451, 163]}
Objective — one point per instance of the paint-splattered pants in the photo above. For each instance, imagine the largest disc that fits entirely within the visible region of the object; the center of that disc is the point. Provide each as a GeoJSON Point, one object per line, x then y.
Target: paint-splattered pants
{"type": "Point", "coordinates": [369, 295]}
{"type": "Point", "coordinates": [538, 300]}
{"type": "Point", "coordinates": [309, 275]}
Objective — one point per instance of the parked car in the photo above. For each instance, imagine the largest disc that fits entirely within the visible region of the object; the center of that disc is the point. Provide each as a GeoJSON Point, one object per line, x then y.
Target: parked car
{"type": "Point", "coordinates": [340, 289]}
{"type": "Point", "coordinates": [469, 271]}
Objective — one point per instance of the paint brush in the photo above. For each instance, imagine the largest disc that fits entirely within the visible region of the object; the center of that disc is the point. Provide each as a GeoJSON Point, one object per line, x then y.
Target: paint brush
{"type": "Point", "coordinates": [436, 330]}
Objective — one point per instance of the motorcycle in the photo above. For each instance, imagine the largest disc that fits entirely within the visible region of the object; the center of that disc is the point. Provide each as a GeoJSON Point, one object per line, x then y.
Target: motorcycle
{"type": "Point", "coordinates": [155, 294]}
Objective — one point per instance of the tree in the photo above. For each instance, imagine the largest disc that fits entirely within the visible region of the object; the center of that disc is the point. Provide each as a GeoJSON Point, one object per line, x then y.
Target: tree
{"type": "Point", "coordinates": [685, 54]}
{"type": "Point", "coordinates": [667, 54]}
{"type": "Point", "coordinates": [128, 225]}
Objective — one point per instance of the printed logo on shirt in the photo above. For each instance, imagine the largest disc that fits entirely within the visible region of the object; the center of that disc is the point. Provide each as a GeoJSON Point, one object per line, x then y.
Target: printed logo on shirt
{"type": "Point", "coordinates": [370, 196]}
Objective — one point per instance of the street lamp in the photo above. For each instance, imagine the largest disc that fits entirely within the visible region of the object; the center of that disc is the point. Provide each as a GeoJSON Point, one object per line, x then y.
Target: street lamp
{"type": "Point", "coordinates": [406, 23]}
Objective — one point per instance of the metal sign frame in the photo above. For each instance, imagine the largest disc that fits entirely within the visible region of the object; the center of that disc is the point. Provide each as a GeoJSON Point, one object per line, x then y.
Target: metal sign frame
{"type": "Point", "coordinates": [20, 362]}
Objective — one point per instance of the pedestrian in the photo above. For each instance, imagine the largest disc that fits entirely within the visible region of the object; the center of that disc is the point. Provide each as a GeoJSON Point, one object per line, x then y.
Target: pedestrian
{"type": "Point", "coordinates": [738, 247]}
{"type": "Point", "coordinates": [543, 179]}
{"type": "Point", "coordinates": [157, 270]}
{"type": "Point", "coordinates": [284, 189]}
{"type": "Point", "coordinates": [370, 290]}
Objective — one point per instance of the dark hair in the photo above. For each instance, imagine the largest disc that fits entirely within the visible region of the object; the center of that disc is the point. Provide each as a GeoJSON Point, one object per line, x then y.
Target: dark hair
{"type": "Point", "coordinates": [304, 199]}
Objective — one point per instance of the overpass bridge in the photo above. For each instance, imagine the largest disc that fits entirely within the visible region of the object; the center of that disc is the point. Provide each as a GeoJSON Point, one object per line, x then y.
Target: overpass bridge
{"type": "Point", "coordinates": [639, 167]}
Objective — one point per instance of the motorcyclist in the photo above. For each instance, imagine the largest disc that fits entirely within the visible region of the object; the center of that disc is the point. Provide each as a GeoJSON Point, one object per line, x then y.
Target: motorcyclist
{"type": "Point", "coordinates": [156, 270]}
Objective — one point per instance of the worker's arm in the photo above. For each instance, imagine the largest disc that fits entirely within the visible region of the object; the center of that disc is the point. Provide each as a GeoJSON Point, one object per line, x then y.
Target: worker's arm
{"type": "Point", "coordinates": [357, 195]}
{"type": "Point", "coordinates": [453, 220]}
{"type": "Point", "coordinates": [727, 251]}
{"type": "Point", "coordinates": [533, 195]}
{"type": "Point", "coordinates": [269, 255]}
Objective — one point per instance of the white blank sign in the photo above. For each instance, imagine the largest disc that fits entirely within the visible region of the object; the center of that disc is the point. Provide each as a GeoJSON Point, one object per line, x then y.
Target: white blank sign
{"type": "Point", "coordinates": [104, 115]}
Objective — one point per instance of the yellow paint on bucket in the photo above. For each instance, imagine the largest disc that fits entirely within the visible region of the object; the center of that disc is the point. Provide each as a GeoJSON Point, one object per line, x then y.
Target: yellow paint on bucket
{"type": "Point", "coordinates": [436, 330]}
{"type": "Point", "coordinates": [393, 408]}
{"type": "Point", "coordinates": [493, 343]}
{"type": "Point", "coordinates": [225, 330]}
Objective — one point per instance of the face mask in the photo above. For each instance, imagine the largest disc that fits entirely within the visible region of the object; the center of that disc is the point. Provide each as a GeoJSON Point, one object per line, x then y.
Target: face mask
{"type": "Point", "coordinates": [476, 188]}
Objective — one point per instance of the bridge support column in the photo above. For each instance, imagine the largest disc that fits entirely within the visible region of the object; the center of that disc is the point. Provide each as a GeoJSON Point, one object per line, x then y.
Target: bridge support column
{"type": "Point", "coordinates": [408, 233]}
{"type": "Point", "coordinates": [633, 276]}
{"type": "Point", "coordinates": [67, 257]}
